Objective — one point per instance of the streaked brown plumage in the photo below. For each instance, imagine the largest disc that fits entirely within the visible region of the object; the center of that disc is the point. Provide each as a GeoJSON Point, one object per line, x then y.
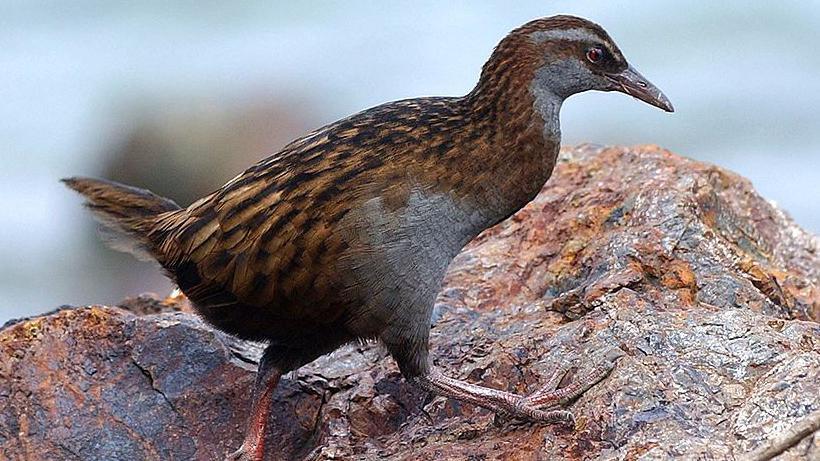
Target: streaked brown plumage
{"type": "Point", "coordinates": [346, 233]}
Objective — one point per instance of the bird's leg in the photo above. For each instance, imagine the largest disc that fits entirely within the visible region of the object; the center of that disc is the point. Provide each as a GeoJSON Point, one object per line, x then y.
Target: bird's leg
{"type": "Point", "coordinates": [549, 396]}
{"type": "Point", "coordinates": [539, 406]}
{"type": "Point", "coordinates": [267, 378]}
{"type": "Point", "coordinates": [500, 402]}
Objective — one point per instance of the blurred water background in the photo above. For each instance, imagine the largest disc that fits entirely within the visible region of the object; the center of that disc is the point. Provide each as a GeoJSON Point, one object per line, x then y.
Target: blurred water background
{"type": "Point", "coordinates": [179, 96]}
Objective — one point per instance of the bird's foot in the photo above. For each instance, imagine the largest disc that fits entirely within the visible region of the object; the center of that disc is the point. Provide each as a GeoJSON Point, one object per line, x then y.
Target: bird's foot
{"type": "Point", "coordinates": [541, 405]}
{"type": "Point", "coordinates": [551, 396]}
{"type": "Point", "coordinates": [245, 454]}
{"type": "Point", "coordinates": [526, 412]}
{"type": "Point", "coordinates": [238, 455]}
{"type": "Point", "coordinates": [537, 407]}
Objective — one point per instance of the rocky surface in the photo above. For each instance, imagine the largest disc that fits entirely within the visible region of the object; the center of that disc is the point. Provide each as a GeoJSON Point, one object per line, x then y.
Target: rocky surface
{"type": "Point", "coordinates": [710, 291]}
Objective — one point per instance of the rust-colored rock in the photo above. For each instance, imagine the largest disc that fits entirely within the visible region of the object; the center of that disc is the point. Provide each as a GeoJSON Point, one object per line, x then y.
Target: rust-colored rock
{"type": "Point", "coordinates": [711, 292]}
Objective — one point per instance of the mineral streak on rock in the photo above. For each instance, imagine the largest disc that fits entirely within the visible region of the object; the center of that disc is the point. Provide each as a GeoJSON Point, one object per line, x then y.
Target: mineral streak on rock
{"type": "Point", "coordinates": [711, 292]}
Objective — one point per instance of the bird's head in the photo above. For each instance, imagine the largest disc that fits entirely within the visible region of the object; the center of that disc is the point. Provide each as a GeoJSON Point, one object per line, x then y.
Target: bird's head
{"type": "Point", "coordinates": [568, 55]}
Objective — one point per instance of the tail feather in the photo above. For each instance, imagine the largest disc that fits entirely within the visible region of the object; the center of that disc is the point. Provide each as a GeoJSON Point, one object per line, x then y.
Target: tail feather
{"type": "Point", "coordinates": [127, 213]}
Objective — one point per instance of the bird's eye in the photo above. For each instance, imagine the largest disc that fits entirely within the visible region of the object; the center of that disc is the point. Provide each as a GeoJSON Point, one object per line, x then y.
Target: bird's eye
{"type": "Point", "coordinates": [595, 54]}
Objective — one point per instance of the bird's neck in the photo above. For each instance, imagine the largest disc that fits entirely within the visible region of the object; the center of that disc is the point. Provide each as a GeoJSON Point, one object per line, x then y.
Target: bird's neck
{"type": "Point", "coordinates": [519, 137]}
{"type": "Point", "coordinates": [548, 107]}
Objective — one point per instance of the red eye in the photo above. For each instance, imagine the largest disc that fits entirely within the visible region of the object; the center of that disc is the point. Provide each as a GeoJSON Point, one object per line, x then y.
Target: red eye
{"type": "Point", "coordinates": [595, 55]}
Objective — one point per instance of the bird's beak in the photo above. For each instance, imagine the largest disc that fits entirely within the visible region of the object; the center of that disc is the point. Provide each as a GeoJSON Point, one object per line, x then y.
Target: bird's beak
{"type": "Point", "coordinates": [634, 84]}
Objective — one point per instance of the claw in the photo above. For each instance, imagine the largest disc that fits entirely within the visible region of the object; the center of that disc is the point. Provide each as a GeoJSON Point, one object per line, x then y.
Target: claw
{"type": "Point", "coordinates": [243, 454]}
{"type": "Point", "coordinates": [238, 455]}
{"type": "Point", "coordinates": [550, 397]}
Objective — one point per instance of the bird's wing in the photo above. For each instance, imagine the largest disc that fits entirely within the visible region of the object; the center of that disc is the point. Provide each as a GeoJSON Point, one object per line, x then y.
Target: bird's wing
{"type": "Point", "coordinates": [266, 238]}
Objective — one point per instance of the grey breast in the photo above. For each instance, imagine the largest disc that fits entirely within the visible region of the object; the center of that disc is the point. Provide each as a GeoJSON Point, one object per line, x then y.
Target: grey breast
{"type": "Point", "coordinates": [397, 258]}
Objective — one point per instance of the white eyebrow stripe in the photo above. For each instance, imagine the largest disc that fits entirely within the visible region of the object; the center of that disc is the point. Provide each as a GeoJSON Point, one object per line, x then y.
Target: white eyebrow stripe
{"type": "Point", "coordinates": [574, 35]}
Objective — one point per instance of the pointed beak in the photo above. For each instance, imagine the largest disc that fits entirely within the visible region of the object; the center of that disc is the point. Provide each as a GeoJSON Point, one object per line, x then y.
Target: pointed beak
{"type": "Point", "coordinates": [634, 84]}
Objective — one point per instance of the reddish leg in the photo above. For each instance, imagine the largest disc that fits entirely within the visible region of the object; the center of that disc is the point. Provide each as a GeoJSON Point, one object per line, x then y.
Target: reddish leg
{"type": "Point", "coordinates": [253, 447]}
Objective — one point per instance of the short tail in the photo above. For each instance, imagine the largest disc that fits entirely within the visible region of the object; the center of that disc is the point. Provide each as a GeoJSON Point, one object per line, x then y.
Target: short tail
{"type": "Point", "coordinates": [128, 214]}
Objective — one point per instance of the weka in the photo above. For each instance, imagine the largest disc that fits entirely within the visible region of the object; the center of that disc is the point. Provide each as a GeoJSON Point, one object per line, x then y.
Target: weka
{"type": "Point", "coordinates": [346, 233]}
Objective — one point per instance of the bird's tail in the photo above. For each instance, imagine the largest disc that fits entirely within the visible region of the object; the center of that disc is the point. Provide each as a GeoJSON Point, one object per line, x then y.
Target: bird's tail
{"type": "Point", "coordinates": [129, 215]}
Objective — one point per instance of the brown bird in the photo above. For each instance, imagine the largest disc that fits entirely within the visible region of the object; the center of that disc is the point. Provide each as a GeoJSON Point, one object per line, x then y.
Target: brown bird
{"type": "Point", "coordinates": [346, 233]}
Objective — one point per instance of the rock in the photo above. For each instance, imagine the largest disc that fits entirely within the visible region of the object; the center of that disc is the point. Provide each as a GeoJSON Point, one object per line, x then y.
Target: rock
{"type": "Point", "coordinates": [100, 383]}
{"type": "Point", "coordinates": [710, 292]}
{"type": "Point", "coordinates": [150, 303]}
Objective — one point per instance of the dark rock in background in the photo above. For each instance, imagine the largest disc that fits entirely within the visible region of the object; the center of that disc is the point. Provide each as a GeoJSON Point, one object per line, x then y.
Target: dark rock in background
{"type": "Point", "coordinates": [186, 149]}
{"type": "Point", "coordinates": [711, 292]}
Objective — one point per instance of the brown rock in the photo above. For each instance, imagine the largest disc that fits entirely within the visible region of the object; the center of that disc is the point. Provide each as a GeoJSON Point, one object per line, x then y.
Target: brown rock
{"type": "Point", "coordinates": [710, 291]}
{"type": "Point", "coordinates": [100, 383]}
